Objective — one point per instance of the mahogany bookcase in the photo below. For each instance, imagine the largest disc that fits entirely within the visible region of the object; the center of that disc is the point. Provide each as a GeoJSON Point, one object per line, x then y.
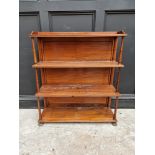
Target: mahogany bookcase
{"type": "Point", "coordinates": [75, 75]}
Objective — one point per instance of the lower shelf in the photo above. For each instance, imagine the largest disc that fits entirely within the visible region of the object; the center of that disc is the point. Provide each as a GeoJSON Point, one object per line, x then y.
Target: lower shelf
{"type": "Point", "coordinates": [77, 114]}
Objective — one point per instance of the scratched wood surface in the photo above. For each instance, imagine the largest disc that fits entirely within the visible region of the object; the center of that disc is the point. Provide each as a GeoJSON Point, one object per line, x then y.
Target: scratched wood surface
{"type": "Point", "coordinates": [77, 90]}
{"type": "Point", "coordinates": [77, 114]}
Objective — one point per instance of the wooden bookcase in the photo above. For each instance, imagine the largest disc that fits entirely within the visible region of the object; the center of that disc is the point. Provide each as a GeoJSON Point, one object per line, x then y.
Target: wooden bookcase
{"type": "Point", "coordinates": [75, 75]}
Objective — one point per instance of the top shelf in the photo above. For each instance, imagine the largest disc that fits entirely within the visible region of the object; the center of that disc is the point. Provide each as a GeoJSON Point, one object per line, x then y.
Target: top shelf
{"type": "Point", "coordinates": [78, 34]}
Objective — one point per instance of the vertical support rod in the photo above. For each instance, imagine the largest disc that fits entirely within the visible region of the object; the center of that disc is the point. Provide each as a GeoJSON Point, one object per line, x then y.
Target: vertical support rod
{"type": "Point", "coordinates": [36, 75]}
{"type": "Point", "coordinates": [109, 102]}
{"type": "Point", "coordinates": [116, 106]}
{"type": "Point", "coordinates": [121, 51]}
{"type": "Point", "coordinates": [114, 58]}
{"type": "Point", "coordinates": [118, 79]}
{"type": "Point", "coordinates": [115, 48]}
{"type": "Point", "coordinates": [117, 89]}
{"type": "Point", "coordinates": [37, 80]}
{"type": "Point", "coordinates": [112, 75]}
{"type": "Point", "coordinates": [40, 51]}
{"type": "Point", "coordinates": [34, 51]}
{"type": "Point", "coordinates": [37, 87]}
{"type": "Point", "coordinates": [43, 82]}
{"type": "Point", "coordinates": [39, 110]}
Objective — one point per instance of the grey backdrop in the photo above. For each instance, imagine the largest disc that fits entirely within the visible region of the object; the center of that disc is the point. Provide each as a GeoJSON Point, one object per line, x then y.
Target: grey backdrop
{"type": "Point", "coordinates": [72, 15]}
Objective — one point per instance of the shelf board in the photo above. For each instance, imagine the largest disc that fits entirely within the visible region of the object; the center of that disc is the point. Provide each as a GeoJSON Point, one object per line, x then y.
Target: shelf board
{"type": "Point", "coordinates": [76, 64]}
{"type": "Point", "coordinates": [77, 114]}
{"type": "Point", "coordinates": [78, 34]}
{"type": "Point", "coordinates": [77, 90]}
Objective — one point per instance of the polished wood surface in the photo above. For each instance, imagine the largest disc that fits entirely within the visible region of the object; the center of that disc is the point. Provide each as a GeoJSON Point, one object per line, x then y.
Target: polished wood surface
{"type": "Point", "coordinates": [77, 76]}
{"type": "Point", "coordinates": [77, 50]}
{"type": "Point", "coordinates": [77, 69]}
{"type": "Point", "coordinates": [77, 114]}
{"type": "Point", "coordinates": [77, 64]}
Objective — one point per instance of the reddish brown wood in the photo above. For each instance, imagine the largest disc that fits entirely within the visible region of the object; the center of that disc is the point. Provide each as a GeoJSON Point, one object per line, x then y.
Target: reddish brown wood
{"type": "Point", "coordinates": [77, 100]}
{"type": "Point", "coordinates": [115, 48]}
{"type": "Point", "coordinates": [77, 76]}
{"type": "Point", "coordinates": [39, 110]}
{"type": "Point", "coordinates": [34, 51]}
{"type": "Point", "coordinates": [77, 90]}
{"type": "Point", "coordinates": [77, 114]}
{"type": "Point", "coordinates": [118, 79]}
{"type": "Point", "coordinates": [115, 110]}
{"type": "Point", "coordinates": [76, 34]}
{"type": "Point", "coordinates": [37, 80]}
{"type": "Point", "coordinates": [121, 51]}
{"type": "Point", "coordinates": [40, 51]}
{"type": "Point", "coordinates": [77, 64]}
{"type": "Point", "coordinates": [77, 50]}
{"type": "Point", "coordinates": [77, 69]}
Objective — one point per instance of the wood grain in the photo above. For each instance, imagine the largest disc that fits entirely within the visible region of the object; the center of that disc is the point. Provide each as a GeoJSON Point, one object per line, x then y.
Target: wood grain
{"type": "Point", "coordinates": [79, 50]}
{"type": "Point", "coordinates": [77, 114]}
{"type": "Point", "coordinates": [88, 90]}
{"type": "Point", "coordinates": [77, 100]}
{"type": "Point", "coordinates": [77, 64]}
{"type": "Point", "coordinates": [77, 76]}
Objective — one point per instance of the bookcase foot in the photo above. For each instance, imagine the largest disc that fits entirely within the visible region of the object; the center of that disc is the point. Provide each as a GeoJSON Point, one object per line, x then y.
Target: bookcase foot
{"type": "Point", "coordinates": [40, 123]}
{"type": "Point", "coordinates": [114, 123]}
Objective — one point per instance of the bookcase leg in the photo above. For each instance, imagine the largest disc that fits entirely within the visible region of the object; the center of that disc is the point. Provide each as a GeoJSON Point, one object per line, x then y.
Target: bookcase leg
{"type": "Point", "coordinates": [109, 102]}
{"type": "Point", "coordinates": [39, 110]}
{"type": "Point", "coordinates": [116, 106]}
{"type": "Point", "coordinates": [40, 123]}
{"type": "Point", "coordinates": [45, 103]}
{"type": "Point", "coordinates": [114, 124]}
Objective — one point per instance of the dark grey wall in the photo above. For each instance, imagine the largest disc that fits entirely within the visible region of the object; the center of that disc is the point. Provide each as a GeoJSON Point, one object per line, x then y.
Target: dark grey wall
{"type": "Point", "coordinates": [72, 15]}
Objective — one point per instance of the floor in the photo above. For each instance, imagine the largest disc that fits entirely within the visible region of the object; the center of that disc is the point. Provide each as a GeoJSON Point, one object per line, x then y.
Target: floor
{"type": "Point", "coordinates": [76, 138]}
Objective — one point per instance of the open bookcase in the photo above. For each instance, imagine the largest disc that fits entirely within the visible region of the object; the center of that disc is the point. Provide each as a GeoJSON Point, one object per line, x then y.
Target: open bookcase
{"type": "Point", "coordinates": [75, 75]}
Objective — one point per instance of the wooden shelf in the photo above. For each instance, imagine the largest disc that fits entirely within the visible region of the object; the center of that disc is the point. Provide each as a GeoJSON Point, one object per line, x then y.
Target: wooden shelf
{"type": "Point", "coordinates": [77, 90]}
{"type": "Point", "coordinates": [77, 34]}
{"type": "Point", "coordinates": [76, 64]}
{"type": "Point", "coordinates": [77, 114]}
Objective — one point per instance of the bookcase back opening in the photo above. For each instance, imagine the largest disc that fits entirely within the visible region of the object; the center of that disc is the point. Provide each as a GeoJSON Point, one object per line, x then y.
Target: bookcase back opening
{"type": "Point", "coordinates": [77, 49]}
